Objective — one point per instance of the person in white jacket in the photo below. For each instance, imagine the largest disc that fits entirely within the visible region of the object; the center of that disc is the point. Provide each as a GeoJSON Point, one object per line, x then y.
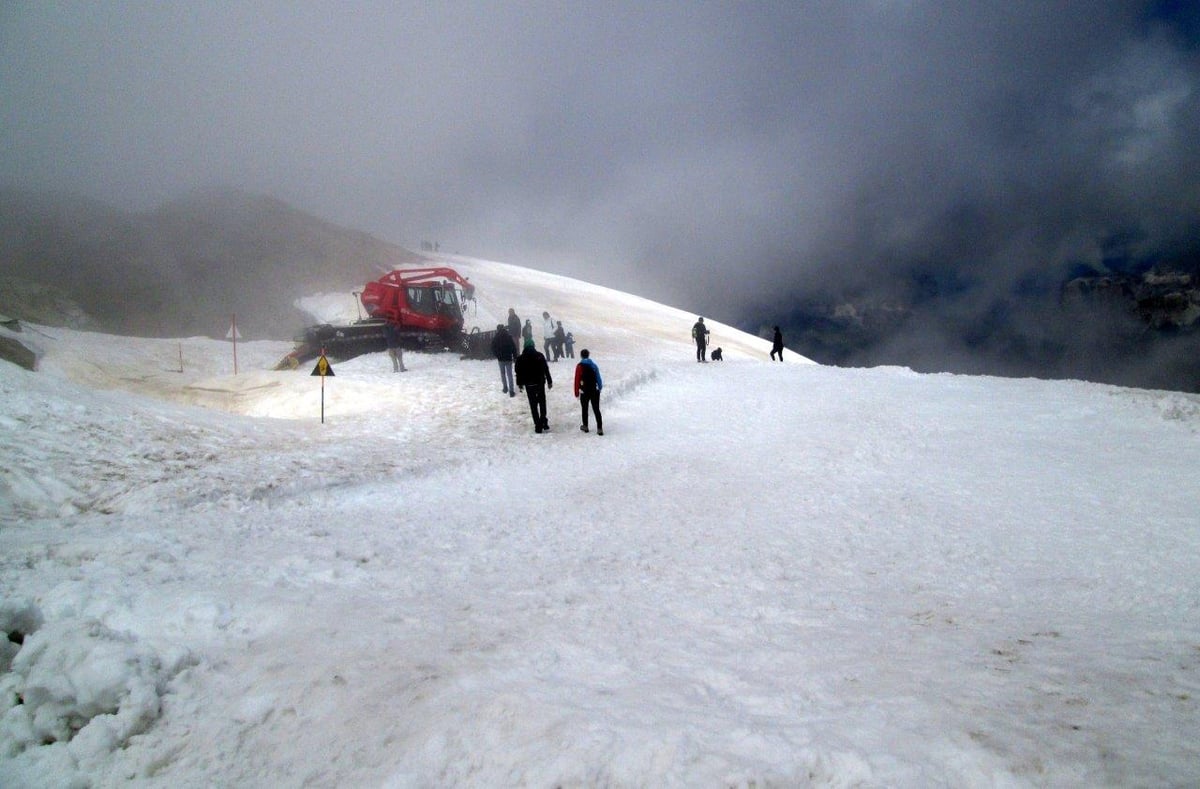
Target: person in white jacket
{"type": "Point", "coordinates": [548, 327]}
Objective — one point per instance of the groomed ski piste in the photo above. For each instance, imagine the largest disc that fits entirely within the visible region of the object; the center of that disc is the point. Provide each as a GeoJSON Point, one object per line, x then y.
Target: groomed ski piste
{"type": "Point", "coordinates": [761, 575]}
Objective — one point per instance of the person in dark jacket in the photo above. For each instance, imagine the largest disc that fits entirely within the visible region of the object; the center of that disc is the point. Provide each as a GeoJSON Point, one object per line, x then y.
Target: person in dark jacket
{"type": "Point", "coordinates": [514, 324]}
{"type": "Point", "coordinates": [505, 351]}
{"type": "Point", "coordinates": [700, 335]}
{"type": "Point", "coordinates": [560, 339]}
{"type": "Point", "coordinates": [588, 384]}
{"type": "Point", "coordinates": [533, 377]}
{"type": "Point", "coordinates": [526, 331]}
{"type": "Point", "coordinates": [395, 350]}
{"type": "Point", "coordinates": [777, 345]}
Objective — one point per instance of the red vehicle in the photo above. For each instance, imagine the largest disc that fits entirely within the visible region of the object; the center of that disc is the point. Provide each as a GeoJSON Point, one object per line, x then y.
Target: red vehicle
{"type": "Point", "coordinates": [421, 300]}
{"type": "Point", "coordinates": [424, 305]}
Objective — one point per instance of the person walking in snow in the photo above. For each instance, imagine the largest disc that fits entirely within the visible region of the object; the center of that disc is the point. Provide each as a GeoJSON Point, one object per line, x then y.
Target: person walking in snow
{"type": "Point", "coordinates": [560, 339]}
{"type": "Point", "coordinates": [588, 384]}
{"type": "Point", "coordinates": [505, 351]}
{"type": "Point", "coordinates": [547, 335]}
{"type": "Point", "coordinates": [777, 345]}
{"type": "Point", "coordinates": [700, 335]}
{"type": "Point", "coordinates": [569, 342]}
{"type": "Point", "coordinates": [391, 334]}
{"type": "Point", "coordinates": [514, 325]}
{"type": "Point", "coordinates": [533, 377]}
{"type": "Point", "coordinates": [526, 331]}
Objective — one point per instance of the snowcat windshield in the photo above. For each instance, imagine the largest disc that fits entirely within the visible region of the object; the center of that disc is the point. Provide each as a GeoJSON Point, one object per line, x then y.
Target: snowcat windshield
{"type": "Point", "coordinates": [434, 300]}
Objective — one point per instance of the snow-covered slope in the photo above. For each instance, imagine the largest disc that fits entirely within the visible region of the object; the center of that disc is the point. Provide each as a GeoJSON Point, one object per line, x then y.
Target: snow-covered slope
{"type": "Point", "coordinates": [762, 574]}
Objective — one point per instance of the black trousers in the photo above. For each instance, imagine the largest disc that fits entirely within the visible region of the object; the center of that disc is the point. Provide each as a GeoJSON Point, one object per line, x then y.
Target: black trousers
{"type": "Point", "coordinates": [592, 397]}
{"type": "Point", "coordinates": [700, 348]}
{"type": "Point", "coordinates": [537, 403]}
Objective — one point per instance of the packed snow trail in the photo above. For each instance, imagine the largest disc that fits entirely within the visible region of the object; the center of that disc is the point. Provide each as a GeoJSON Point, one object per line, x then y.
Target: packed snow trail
{"type": "Point", "coordinates": [759, 574]}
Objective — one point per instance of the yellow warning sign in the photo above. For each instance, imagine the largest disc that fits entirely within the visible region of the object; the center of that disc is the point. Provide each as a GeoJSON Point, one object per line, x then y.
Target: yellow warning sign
{"type": "Point", "coordinates": [323, 367]}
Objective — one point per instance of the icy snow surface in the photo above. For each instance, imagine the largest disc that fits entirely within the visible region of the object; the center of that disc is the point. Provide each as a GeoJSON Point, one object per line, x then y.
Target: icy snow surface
{"type": "Point", "coordinates": [761, 575]}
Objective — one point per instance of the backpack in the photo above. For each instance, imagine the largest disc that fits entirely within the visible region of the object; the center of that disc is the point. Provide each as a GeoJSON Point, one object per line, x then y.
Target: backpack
{"type": "Point", "coordinates": [587, 376]}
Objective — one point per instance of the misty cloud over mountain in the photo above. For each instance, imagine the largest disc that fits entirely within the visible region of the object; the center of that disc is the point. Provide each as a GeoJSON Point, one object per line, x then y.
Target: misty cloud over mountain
{"type": "Point", "coordinates": [937, 172]}
{"type": "Point", "coordinates": [183, 269]}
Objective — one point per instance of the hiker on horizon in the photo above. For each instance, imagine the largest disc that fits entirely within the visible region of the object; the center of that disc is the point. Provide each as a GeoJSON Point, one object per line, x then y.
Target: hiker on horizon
{"type": "Point", "coordinates": [700, 335]}
{"type": "Point", "coordinates": [777, 345]}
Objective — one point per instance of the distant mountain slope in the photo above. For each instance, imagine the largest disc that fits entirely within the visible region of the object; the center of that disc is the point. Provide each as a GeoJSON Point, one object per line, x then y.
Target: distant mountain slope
{"type": "Point", "coordinates": [182, 269]}
{"type": "Point", "coordinates": [1136, 327]}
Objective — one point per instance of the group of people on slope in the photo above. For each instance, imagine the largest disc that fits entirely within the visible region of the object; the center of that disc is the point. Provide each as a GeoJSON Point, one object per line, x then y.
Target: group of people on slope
{"type": "Point", "coordinates": [557, 343]}
{"type": "Point", "coordinates": [555, 340]}
{"type": "Point", "coordinates": [700, 334]}
{"type": "Point", "coordinates": [529, 371]}
{"type": "Point", "coordinates": [532, 372]}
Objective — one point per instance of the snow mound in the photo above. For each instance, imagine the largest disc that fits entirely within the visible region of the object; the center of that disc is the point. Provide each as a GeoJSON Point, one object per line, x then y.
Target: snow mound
{"type": "Point", "coordinates": [75, 691]}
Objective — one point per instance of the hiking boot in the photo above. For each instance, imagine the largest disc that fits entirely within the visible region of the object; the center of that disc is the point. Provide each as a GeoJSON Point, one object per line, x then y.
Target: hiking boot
{"type": "Point", "coordinates": [583, 428]}
{"type": "Point", "coordinates": [537, 429]}
{"type": "Point", "coordinates": [599, 432]}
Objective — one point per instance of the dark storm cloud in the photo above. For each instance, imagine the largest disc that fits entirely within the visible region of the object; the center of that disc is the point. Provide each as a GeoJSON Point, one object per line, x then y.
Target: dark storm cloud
{"type": "Point", "coordinates": [712, 155]}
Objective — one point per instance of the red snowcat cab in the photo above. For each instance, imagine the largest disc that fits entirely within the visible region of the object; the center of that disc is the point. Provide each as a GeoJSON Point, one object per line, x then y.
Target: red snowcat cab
{"type": "Point", "coordinates": [425, 305]}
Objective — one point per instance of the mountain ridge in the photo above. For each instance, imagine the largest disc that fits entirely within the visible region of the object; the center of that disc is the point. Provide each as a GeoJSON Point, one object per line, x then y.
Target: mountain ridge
{"type": "Point", "coordinates": [182, 268]}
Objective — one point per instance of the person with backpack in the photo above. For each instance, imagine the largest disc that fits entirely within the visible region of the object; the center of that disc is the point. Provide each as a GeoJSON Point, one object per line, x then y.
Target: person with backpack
{"type": "Point", "coordinates": [533, 377]}
{"type": "Point", "coordinates": [505, 351]}
{"type": "Point", "coordinates": [700, 335]}
{"type": "Point", "coordinates": [588, 384]}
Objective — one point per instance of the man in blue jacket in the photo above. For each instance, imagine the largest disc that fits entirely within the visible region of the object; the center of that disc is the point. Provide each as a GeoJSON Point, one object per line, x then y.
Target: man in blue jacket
{"type": "Point", "coordinates": [588, 384]}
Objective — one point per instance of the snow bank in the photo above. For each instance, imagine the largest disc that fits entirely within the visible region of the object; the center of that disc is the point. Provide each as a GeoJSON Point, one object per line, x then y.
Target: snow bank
{"type": "Point", "coordinates": [75, 692]}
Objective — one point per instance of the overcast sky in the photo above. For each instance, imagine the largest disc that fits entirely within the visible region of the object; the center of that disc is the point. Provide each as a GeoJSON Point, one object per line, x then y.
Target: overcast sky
{"type": "Point", "coordinates": [705, 154]}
